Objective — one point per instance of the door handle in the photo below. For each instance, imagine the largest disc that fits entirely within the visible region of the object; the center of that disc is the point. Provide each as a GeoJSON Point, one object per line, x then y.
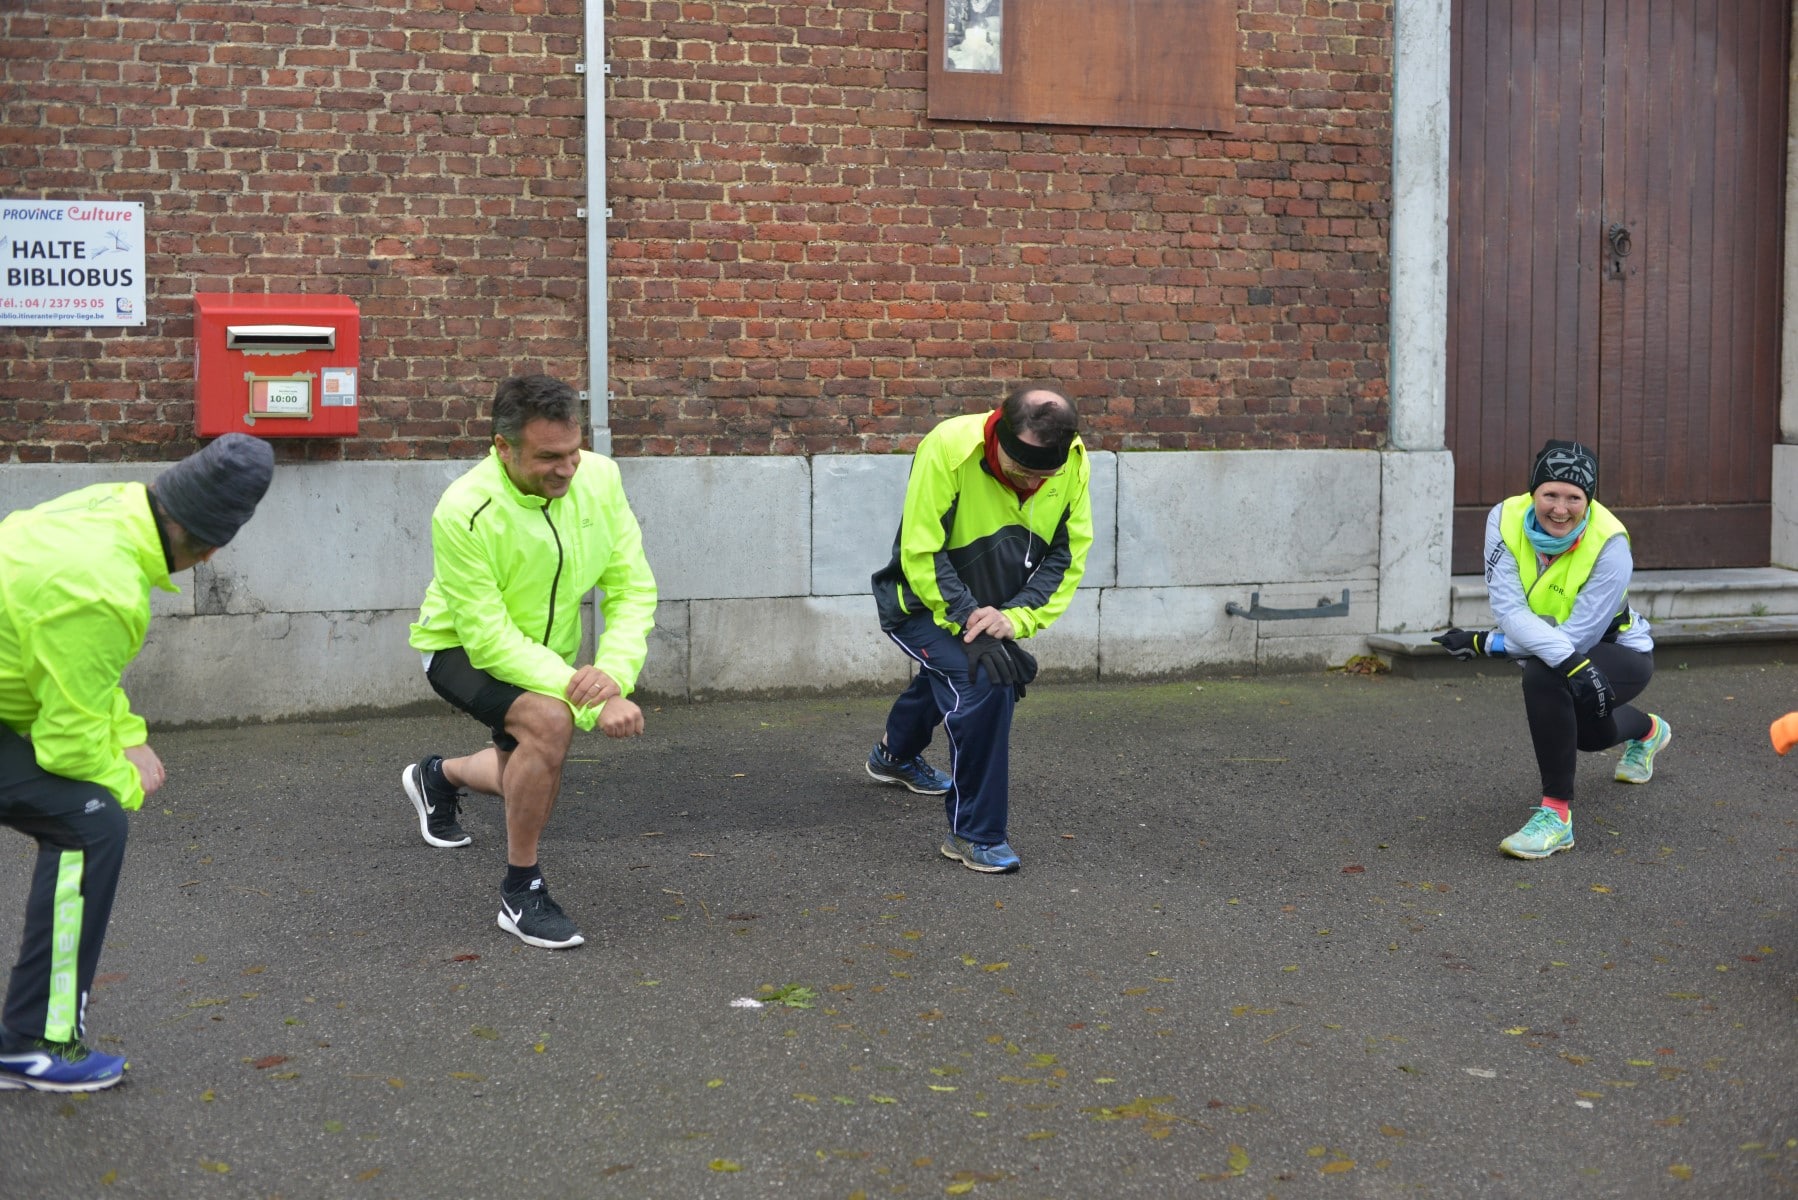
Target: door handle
{"type": "Point", "coordinates": [1617, 236]}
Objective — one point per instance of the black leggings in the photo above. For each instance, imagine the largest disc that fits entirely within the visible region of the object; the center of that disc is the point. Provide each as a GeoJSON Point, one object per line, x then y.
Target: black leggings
{"type": "Point", "coordinates": [1559, 732]}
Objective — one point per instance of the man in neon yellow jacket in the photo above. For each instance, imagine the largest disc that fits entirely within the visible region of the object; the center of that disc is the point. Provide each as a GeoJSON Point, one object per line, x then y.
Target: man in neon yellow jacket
{"type": "Point", "coordinates": [75, 580]}
{"type": "Point", "coordinates": [515, 545]}
{"type": "Point", "coordinates": [991, 545]}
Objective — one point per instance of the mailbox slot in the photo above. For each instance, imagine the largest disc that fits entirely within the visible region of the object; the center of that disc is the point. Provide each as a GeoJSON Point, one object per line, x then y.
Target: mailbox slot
{"type": "Point", "coordinates": [280, 339]}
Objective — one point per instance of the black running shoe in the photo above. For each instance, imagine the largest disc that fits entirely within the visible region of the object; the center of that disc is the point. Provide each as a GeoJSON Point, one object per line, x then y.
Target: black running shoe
{"type": "Point", "coordinates": [436, 805]}
{"type": "Point", "coordinates": [536, 920]}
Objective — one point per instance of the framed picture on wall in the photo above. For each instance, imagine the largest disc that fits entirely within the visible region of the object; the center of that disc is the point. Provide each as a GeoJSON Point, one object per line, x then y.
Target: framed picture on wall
{"type": "Point", "coordinates": [1154, 64]}
{"type": "Point", "coordinates": [973, 35]}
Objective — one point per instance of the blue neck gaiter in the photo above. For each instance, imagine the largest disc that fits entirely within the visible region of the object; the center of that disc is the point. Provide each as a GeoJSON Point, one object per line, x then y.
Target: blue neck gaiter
{"type": "Point", "coordinates": [1540, 539]}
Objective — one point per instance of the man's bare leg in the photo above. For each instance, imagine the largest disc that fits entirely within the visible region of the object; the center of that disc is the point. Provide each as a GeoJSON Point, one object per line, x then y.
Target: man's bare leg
{"type": "Point", "coordinates": [478, 772]}
{"type": "Point", "coordinates": [530, 778]}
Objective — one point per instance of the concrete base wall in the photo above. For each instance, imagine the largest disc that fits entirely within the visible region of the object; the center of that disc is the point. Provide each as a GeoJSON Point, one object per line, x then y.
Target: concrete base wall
{"type": "Point", "coordinates": [763, 567]}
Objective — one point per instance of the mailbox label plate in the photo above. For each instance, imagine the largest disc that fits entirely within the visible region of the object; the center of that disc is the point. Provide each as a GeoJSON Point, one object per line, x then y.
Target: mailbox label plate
{"type": "Point", "coordinates": [280, 396]}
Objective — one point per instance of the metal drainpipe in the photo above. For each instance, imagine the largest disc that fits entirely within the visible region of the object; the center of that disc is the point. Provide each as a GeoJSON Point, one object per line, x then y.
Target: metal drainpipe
{"type": "Point", "coordinates": [595, 67]}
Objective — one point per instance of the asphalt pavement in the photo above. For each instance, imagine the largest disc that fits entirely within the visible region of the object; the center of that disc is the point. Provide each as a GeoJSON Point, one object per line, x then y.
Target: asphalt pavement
{"type": "Point", "coordinates": [1263, 944]}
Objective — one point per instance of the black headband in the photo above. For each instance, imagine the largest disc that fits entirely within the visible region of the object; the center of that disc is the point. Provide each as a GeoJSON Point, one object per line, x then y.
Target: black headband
{"type": "Point", "coordinates": [1031, 458]}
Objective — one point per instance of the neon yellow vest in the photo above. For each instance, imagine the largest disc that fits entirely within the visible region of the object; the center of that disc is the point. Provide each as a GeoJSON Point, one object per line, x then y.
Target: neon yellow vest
{"type": "Point", "coordinates": [1551, 593]}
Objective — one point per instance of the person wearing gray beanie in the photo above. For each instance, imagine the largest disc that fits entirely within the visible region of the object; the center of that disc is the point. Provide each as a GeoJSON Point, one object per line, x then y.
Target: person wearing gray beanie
{"type": "Point", "coordinates": [75, 581]}
{"type": "Point", "coordinates": [212, 492]}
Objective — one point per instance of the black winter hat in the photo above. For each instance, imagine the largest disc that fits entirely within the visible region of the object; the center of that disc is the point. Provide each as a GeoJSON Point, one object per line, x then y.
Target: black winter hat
{"type": "Point", "coordinates": [1566, 462]}
{"type": "Point", "coordinates": [213, 491]}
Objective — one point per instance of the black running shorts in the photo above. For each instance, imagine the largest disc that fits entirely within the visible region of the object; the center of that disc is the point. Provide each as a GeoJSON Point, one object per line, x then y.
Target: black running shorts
{"type": "Point", "coordinates": [475, 692]}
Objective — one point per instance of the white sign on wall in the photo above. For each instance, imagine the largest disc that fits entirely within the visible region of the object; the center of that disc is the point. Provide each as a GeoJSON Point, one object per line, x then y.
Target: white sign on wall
{"type": "Point", "coordinates": [71, 262]}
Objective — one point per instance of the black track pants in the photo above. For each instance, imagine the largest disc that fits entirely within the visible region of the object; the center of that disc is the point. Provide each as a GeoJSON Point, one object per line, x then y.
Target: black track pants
{"type": "Point", "coordinates": [80, 831]}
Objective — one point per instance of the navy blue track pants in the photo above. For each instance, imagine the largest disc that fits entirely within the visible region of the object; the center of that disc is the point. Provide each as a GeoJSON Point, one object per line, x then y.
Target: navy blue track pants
{"type": "Point", "coordinates": [976, 718]}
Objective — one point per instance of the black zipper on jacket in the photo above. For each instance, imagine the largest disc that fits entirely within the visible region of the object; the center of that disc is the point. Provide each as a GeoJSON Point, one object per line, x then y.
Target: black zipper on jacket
{"type": "Point", "coordinates": [551, 624]}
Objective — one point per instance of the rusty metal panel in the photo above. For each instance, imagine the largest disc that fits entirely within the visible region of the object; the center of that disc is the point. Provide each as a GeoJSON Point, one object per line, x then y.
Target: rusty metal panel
{"type": "Point", "coordinates": [1152, 64]}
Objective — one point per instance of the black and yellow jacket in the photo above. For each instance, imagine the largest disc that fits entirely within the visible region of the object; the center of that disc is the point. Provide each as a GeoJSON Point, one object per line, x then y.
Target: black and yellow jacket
{"type": "Point", "coordinates": [966, 540]}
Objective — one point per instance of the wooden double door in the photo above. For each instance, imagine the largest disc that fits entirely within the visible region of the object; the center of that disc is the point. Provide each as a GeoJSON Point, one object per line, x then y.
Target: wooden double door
{"type": "Point", "coordinates": [1616, 214]}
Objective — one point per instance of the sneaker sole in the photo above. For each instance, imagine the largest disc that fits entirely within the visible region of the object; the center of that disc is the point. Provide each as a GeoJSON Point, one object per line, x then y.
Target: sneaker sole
{"type": "Point", "coordinates": [415, 792]}
{"type": "Point", "coordinates": [1566, 845]}
{"type": "Point", "coordinates": [904, 783]}
{"type": "Point", "coordinates": [20, 1083]}
{"type": "Point", "coordinates": [971, 865]}
{"type": "Point", "coordinates": [506, 923]}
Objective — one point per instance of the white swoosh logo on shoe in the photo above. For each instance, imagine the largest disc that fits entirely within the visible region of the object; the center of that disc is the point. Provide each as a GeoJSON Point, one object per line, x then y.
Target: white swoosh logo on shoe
{"type": "Point", "coordinates": [509, 912]}
{"type": "Point", "coordinates": [31, 1064]}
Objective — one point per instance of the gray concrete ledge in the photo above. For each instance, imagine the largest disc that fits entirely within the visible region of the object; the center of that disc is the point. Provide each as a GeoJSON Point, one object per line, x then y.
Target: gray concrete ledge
{"type": "Point", "coordinates": [1666, 595]}
{"type": "Point", "coordinates": [1706, 641]}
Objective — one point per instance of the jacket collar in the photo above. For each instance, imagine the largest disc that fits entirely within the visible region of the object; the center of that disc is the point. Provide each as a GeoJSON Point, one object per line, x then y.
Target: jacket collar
{"type": "Point", "coordinates": [512, 493]}
{"type": "Point", "coordinates": [152, 545]}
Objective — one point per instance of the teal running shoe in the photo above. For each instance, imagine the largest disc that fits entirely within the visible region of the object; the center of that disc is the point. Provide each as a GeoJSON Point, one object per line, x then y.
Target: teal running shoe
{"type": "Point", "coordinates": [1542, 835]}
{"type": "Point", "coordinates": [992, 860]}
{"type": "Point", "coordinates": [1637, 764]}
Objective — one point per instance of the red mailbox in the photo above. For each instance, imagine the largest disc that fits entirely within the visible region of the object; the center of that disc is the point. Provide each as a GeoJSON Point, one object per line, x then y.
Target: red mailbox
{"type": "Point", "coordinates": [276, 366]}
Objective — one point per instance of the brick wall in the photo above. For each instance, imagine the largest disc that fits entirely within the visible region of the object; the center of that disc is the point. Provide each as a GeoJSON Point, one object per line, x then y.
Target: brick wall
{"type": "Point", "coordinates": [801, 262]}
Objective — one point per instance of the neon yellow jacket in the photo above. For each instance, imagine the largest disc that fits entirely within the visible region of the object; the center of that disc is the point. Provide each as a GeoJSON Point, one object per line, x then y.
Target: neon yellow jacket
{"type": "Point", "coordinates": [510, 570]}
{"type": "Point", "coordinates": [966, 541]}
{"type": "Point", "coordinates": [75, 580]}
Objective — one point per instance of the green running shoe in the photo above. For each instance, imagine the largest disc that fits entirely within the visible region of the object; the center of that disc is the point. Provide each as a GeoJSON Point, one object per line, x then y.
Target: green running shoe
{"type": "Point", "coordinates": [1542, 835]}
{"type": "Point", "coordinates": [1637, 764]}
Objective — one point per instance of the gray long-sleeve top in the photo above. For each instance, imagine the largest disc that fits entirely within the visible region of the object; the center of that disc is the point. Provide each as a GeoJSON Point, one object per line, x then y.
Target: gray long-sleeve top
{"type": "Point", "coordinates": [1530, 635]}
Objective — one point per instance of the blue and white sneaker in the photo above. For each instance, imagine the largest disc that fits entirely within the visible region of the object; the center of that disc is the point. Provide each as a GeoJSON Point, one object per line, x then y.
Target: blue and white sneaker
{"type": "Point", "coordinates": [58, 1067]}
{"type": "Point", "coordinates": [914, 773]}
{"type": "Point", "coordinates": [993, 860]}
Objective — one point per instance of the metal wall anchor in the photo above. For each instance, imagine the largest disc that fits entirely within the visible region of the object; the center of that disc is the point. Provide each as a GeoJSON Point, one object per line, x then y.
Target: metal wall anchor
{"type": "Point", "coordinates": [1255, 612]}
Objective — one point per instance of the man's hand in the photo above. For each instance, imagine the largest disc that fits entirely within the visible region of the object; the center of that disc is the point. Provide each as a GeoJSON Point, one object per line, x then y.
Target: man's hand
{"type": "Point", "coordinates": [149, 767]}
{"type": "Point", "coordinates": [621, 718]}
{"type": "Point", "coordinates": [1465, 644]}
{"type": "Point", "coordinates": [989, 652]}
{"type": "Point", "coordinates": [1592, 692]}
{"type": "Point", "coordinates": [590, 688]}
{"type": "Point", "coordinates": [989, 621]}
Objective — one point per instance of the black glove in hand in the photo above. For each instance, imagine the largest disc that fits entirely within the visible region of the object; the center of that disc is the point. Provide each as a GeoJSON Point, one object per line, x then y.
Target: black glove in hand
{"type": "Point", "coordinates": [1025, 664]}
{"type": "Point", "coordinates": [1592, 692]}
{"type": "Point", "coordinates": [1464, 644]}
{"type": "Point", "coordinates": [989, 652]}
